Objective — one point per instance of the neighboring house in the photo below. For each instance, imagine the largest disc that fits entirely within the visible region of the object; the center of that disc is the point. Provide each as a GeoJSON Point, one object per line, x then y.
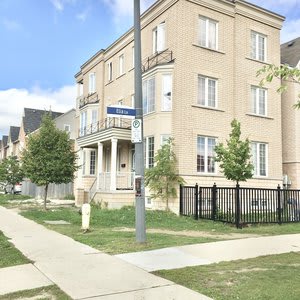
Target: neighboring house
{"type": "Point", "coordinates": [200, 60]}
{"type": "Point", "coordinates": [12, 141]}
{"type": "Point", "coordinates": [290, 55]}
{"type": "Point", "coordinates": [31, 121]}
{"type": "Point", "coordinates": [3, 147]}
{"type": "Point", "coordinates": [67, 122]}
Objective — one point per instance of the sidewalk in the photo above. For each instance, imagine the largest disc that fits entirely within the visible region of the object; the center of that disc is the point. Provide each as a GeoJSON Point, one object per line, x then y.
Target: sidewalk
{"type": "Point", "coordinates": [81, 271]}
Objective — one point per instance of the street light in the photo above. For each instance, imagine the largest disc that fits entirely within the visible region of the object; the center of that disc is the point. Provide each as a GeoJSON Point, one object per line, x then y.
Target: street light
{"type": "Point", "coordinates": [140, 227]}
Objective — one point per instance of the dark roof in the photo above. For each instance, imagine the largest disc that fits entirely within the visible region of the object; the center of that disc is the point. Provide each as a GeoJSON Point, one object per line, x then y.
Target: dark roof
{"type": "Point", "coordinates": [33, 117]}
{"type": "Point", "coordinates": [4, 140]}
{"type": "Point", "coordinates": [14, 133]}
{"type": "Point", "coordinates": [290, 52]}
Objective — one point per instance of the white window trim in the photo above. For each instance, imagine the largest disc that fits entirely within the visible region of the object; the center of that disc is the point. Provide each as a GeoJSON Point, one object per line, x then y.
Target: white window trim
{"type": "Point", "coordinates": [146, 151]}
{"type": "Point", "coordinates": [258, 159]}
{"type": "Point", "coordinates": [206, 91]}
{"type": "Point", "coordinates": [257, 34]}
{"type": "Point", "coordinates": [67, 126]}
{"type": "Point", "coordinates": [207, 35]}
{"type": "Point", "coordinates": [110, 71]}
{"type": "Point", "coordinates": [147, 111]}
{"type": "Point", "coordinates": [257, 90]}
{"type": "Point", "coordinates": [163, 108]}
{"type": "Point", "coordinates": [159, 38]}
{"type": "Point", "coordinates": [206, 155]}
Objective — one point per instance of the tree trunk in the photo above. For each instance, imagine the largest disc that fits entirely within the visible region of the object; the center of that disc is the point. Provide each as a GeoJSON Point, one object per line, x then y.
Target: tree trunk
{"type": "Point", "coordinates": [45, 196]}
{"type": "Point", "coordinates": [167, 199]}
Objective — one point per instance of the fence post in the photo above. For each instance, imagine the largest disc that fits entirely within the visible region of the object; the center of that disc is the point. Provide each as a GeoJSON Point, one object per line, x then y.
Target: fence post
{"type": "Point", "coordinates": [279, 209]}
{"type": "Point", "coordinates": [237, 206]}
{"type": "Point", "coordinates": [214, 201]}
{"type": "Point", "coordinates": [196, 202]}
{"type": "Point", "coordinates": [180, 199]}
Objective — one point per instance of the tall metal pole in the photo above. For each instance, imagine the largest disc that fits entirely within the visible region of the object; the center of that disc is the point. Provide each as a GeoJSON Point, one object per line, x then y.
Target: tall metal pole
{"type": "Point", "coordinates": [140, 227]}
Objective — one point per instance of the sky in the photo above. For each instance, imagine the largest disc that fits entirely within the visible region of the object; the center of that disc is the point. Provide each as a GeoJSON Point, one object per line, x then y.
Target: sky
{"type": "Point", "coordinates": [44, 43]}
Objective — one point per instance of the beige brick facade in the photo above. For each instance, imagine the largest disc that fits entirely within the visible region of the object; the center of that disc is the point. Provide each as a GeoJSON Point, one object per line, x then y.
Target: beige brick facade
{"type": "Point", "coordinates": [229, 64]}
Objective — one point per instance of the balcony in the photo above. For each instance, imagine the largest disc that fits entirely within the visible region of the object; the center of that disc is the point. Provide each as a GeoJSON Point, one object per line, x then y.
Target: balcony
{"type": "Point", "coordinates": [107, 123]}
{"type": "Point", "coordinates": [90, 99]}
{"type": "Point", "coordinates": [158, 58]}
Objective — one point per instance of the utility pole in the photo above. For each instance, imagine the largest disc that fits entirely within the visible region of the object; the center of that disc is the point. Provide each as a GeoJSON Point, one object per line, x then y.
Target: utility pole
{"type": "Point", "coordinates": [140, 227]}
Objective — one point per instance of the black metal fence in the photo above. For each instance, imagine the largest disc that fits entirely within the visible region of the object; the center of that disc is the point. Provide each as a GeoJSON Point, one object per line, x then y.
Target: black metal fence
{"type": "Point", "coordinates": [239, 205]}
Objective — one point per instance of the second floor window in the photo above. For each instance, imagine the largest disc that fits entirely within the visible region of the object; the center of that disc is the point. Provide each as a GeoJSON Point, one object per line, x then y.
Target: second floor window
{"type": "Point", "coordinates": [207, 91]}
{"type": "Point", "coordinates": [149, 95]}
{"type": "Point", "coordinates": [158, 38]}
{"type": "Point", "coordinates": [205, 154]}
{"type": "Point", "coordinates": [259, 158]}
{"type": "Point", "coordinates": [166, 102]}
{"type": "Point", "coordinates": [94, 125]}
{"type": "Point", "coordinates": [83, 123]}
{"type": "Point", "coordinates": [259, 101]}
{"type": "Point", "coordinates": [92, 83]}
{"type": "Point", "coordinates": [208, 33]}
{"type": "Point", "coordinates": [258, 46]}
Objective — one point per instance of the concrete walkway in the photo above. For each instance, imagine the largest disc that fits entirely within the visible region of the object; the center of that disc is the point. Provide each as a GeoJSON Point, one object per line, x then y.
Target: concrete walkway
{"type": "Point", "coordinates": [79, 270]}
{"type": "Point", "coordinates": [203, 254]}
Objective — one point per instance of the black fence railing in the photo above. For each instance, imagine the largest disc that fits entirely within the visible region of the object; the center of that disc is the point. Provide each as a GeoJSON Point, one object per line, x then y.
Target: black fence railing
{"type": "Point", "coordinates": [157, 58]}
{"type": "Point", "coordinates": [240, 206]}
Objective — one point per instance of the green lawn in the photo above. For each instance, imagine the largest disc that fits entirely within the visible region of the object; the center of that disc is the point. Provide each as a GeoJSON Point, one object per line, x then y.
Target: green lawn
{"type": "Point", "coordinates": [45, 293]}
{"type": "Point", "coordinates": [10, 256]}
{"type": "Point", "coordinates": [274, 277]}
{"type": "Point", "coordinates": [106, 236]}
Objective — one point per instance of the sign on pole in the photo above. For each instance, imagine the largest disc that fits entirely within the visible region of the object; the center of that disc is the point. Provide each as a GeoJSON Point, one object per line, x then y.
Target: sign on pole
{"type": "Point", "coordinates": [121, 111]}
{"type": "Point", "coordinates": [136, 131]}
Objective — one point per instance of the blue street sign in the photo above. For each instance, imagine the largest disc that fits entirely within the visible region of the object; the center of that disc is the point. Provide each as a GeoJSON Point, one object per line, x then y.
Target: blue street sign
{"type": "Point", "coordinates": [119, 111]}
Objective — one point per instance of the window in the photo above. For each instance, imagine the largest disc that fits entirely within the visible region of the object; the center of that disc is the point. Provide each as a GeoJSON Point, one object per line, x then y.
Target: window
{"type": "Point", "coordinates": [93, 162]}
{"type": "Point", "coordinates": [92, 83]}
{"type": "Point", "coordinates": [208, 33]}
{"type": "Point", "coordinates": [149, 95]}
{"type": "Point", "coordinates": [80, 88]}
{"type": "Point", "coordinates": [83, 162]}
{"type": "Point", "coordinates": [259, 158]}
{"type": "Point", "coordinates": [83, 123]}
{"type": "Point", "coordinates": [164, 138]}
{"type": "Point", "coordinates": [158, 37]}
{"type": "Point", "coordinates": [121, 64]}
{"type": "Point", "coordinates": [110, 71]}
{"type": "Point", "coordinates": [207, 91]}
{"type": "Point", "coordinates": [94, 126]}
{"type": "Point", "coordinates": [259, 101]}
{"type": "Point", "coordinates": [205, 154]}
{"type": "Point", "coordinates": [166, 103]}
{"type": "Point", "coordinates": [67, 127]}
{"type": "Point", "coordinates": [133, 56]}
{"type": "Point", "coordinates": [149, 151]}
{"type": "Point", "coordinates": [258, 46]}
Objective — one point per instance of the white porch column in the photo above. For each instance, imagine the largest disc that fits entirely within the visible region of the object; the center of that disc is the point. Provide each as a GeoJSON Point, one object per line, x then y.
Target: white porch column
{"type": "Point", "coordinates": [113, 164]}
{"type": "Point", "coordinates": [100, 159]}
{"type": "Point", "coordinates": [80, 163]}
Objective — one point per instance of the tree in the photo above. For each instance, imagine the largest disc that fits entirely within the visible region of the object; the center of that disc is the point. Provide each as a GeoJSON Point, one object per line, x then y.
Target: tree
{"type": "Point", "coordinates": [283, 72]}
{"type": "Point", "coordinates": [49, 157]}
{"type": "Point", "coordinates": [235, 158]}
{"type": "Point", "coordinates": [163, 178]}
{"type": "Point", "coordinates": [10, 171]}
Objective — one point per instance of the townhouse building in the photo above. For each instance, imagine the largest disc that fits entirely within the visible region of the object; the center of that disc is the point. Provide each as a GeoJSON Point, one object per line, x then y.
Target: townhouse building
{"type": "Point", "coordinates": [290, 55]}
{"type": "Point", "coordinates": [200, 59]}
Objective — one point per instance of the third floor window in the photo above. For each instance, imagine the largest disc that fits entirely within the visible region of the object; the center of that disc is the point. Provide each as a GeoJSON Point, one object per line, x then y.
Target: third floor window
{"type": "Point", "coordinates": [258, 46]}
{"type": "Point", "coordinates": [208, 33]}
{"type": "Point", "coordinates": [259, 100]}
{"type": "Point", "coordinates": [92, 83]}
{"type": "Point", "coordinates": [110, 71]}
{"type": "Point", "coordinates": [158, 37]}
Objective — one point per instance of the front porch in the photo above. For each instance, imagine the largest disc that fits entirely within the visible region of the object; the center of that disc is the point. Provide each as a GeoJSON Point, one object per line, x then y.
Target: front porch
{"type": "Point", "coordinates": [106, 174]}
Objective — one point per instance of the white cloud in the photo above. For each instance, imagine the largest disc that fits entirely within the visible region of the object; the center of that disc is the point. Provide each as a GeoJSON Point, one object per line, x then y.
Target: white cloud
{"type": "Point", "coordinates": [13, 101]}
{"type": "Point", "coordinates": [83, 15]}
{"type": "Point", "coordinates": [59, 5]}
{"type": "Point", "coordinates": [11, 25]}
{"type": "Point", "coordinates": [123, 9]}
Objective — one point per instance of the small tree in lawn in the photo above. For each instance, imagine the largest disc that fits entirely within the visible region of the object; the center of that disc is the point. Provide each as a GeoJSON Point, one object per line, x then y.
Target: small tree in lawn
{"type": "Point", "coordinates": [10, 171]}
{"type": "Point", "coordinates": [163, 178]}
{"type": "Point", "coordinates": [235, 158]}
{"type": "Point", "coordinates": [49, 157]}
